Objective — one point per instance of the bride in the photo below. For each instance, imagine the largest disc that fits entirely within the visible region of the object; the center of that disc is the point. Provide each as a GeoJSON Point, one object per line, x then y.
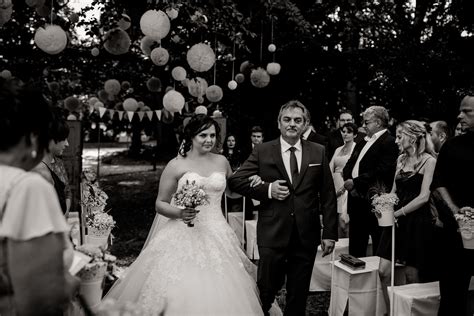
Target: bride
{"type": "Point", "coordinates": [198, 270]}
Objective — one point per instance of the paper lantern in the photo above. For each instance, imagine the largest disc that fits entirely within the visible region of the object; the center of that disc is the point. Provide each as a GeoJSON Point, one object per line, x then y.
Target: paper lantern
{"type": "Point", "coordinates": [92, 101]}
{"type": "Point", "coordinates": [71, 103]}
{"type": "Point", "coordinates": [5, 4]}
{"type": "Point", "coordinates": [173, 101]}
{"type": "Point", "coordinates": [159, 56]}
{"type": "Point", "coordinates": [272, 48]}
{"type": "Point", "coordinates": [103, 95]}
{"type": "Point", "coordinates": [53, 86]}
{"type": "Point", "coordinates": [125, 22]}
{"type": "Point", "coordinates": [246, 67]}
{"type": "Point", "coordinates": [71, 117]}
{"type": "Point", "coordinates": [44, 11]}
{"type": "Point", "coordinates": [153, 84]}
{"type": "Point", "coordinates": [201, 109]}
{"type": "Point", "coordinates": [217, 113]}
{"type": "Point", "coordinates": [239, 78]}
{"type": "Point", "coordinates": [119, 106]}
{"type": "Point", "coordinates": [95, 52]}
{"type": "Point", "coordinates": [147, 43]}
{"type": "Point", "coordinates": [140, 105]}
{"type": "Point", "coordinates": [200, 100]}
{"type": "Point", "coordinates": [259, 78]}
{"type": "Point", "coordinates": [125, 85]}
{"type": "Point", "coordinates": [110, 97]}
{"type": "Point", "coordinates": [98, 105]}
{"type": "Point", "coordinates": [35, 3]}
{"type": "Point", "coordinates": [172, 13]}
{"type": "Point", "coordinates": [5, 15]}
{"type": "Point", "coordinates": [214, 93]}
{"type": "Point", "coordinates": [146, 108]}
{"type": "Point", "coordinates": [155, 24]}
{"type": "Point", "coordinates": [168, 88]}
{"type": "Point", "coordinates": [130, 104]}
{"type": "Point", "coordinates": [52, 39]}
{"type": "Point", "coordinates": [232, 85]}
{"type": "Point", "coordinates": [112, 86]}
{"type": "Point", "coordinates": [197, 86]}
{"type": "Point", "coordinates": [6, 74]}
{"type": "Point", "coordinates": [117, 41]}
{"type": "Point", "coordinates": [201, 57]}
{"type": "Point", "coordinates": [74, 18]}
{"type": "Point", "coordinates": [178, 73]}
{"type": "Point", "coordinates": [273, 68]}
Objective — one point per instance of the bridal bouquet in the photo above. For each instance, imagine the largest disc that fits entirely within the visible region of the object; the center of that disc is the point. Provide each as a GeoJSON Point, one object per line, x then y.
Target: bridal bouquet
{"type": "Point", "coordinates": [190, 195]}
{"type": "Point", "coordinates": [465, 219]}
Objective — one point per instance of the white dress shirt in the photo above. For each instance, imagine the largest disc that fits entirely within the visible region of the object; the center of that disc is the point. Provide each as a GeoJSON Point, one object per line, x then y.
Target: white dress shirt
{"type": "Point", "coordinates": [370, 142]}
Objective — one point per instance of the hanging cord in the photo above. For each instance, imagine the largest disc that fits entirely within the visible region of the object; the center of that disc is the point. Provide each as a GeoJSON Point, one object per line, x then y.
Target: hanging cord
{"type": "Point", "coordinates": [261, 40]}
{"type": "Point", "coordinates": [271, 39]}
{"type": "Point", "coordinates": [215, 63]}
{"type": "Point", "coordinates": [233, 60]}
{"type": "Point", "coordinates": [52, 11]}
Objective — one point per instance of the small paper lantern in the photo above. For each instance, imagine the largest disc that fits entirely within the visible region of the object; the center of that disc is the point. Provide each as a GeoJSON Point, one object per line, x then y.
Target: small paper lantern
{"type": "Point", "coordinates": [52, 39]}
{"type": "Point", "coordinates": [173, 101]}
{"type": "Point", "coordinates": [111, 97]}
{"type": "Point", "coordinates": [98, 105]}
{"type": "Point", "coordinates": [119, 106]}
{"type": "Point", "coordinates": [217, 113]}
{"type": "Point", "coordinates": [185, 82]}
{"type": "Point", "coordinates": [147, 43]}
{"type": "Point", "coordinates": [214, 93]}
{"type": "Point", "coordinates": [273, 68]}
{"type": "Point", "coordinates": [201, 57]}
{"type": "Point", "coordinates": [130, 104]}
{"type": "Point", "coordinates": [74, 18]}
{"type": "Point", "coordinates": [140, 105]}
{"type": "Point", "coordinates": [200, 100]}
{"type": "Point", "coordinates": [197, 87]}
{"type": "Point", "coordinates": [6, 74]}
{"type": "Point", "coordinates": [178, 73]}
{"type": "Point", "coordinates": [5, 4]}
{"type": "Point", "coordinates": [232, 85]}
{"type": "Point", "coordinates": [259, 78]}
{"type": "Point", "coordinates": [155, 24]}
{"type": "Point", "coordinates": [159, 56]}
{"type": "Point", "coordinates": [172, 13]}
{"type": "Point", "coordinates": [71, 117]}
{"type": "Point", "coordinates": [92, 101]}
{"type": "Point", "coordinates": [103, 95]}
{"type": "Point", "coordinates": [71, 103]}
{"type": "Point", "coordinates": [201, 109]}
{"type": "Point", "coordinates": [5, 15]}
{"type": "Point", "coordinates": [43, 11]}
{"type": "Point", "coordinates": [53, 86]}
{"type": "Point", "coordinates": [168, 88]}
{"type": "Point", "coordinates": [239, 78]}
{"type": "Point", "coordinates": [245, 67]}
{"type": "Point", "coordinates": [146, 108]}
{"type": "Point", "coordinates": [125, 85]}
{"type": "Point", "coordinates": [112, 86]}
{"type": "Point", "coordinates": [125, 22]}
{"type": "Point", "coordinates": [153, 84]}
{"type": "Point", "coordinates": [117, 41]}
{"type": "Point", "coordinates": [95, 52]}
{"type": "Point", "coordinates": [272, 48]}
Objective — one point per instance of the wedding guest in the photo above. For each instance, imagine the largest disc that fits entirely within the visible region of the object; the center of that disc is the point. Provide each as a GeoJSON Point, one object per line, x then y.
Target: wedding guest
{"type": "Point", "coordinates": [335, 138]}
{"type": "Point", "coordinates": [310, 134]}
{"type": "Point", "coordinates": [256, 138]}
{"type": "Point", "coordinates": [231, 150]}
{"type": "Point", "coordinates": [439, 134]}
{"type": "Point", "coordinates": [458, 130]}
{"type": "Point", "coordinates": [35, 252]}
{"type": "Point", "coordinates": [453, 180]}
{"type": "Point", "coordinates": [337, 163]}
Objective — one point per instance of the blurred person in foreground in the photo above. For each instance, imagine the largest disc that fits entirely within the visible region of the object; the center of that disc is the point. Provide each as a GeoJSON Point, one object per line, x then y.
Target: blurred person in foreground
{"type": "Point", "coordinates": [439, 134]}
{"type": "Point", "coordinates": [35, 252]}
{"type": "Point", "coordinates": [453, 178]}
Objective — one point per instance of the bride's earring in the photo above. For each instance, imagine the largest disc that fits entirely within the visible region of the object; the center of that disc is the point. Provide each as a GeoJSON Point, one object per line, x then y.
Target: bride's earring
{"type": "Point", "coordinates": [34, 154]}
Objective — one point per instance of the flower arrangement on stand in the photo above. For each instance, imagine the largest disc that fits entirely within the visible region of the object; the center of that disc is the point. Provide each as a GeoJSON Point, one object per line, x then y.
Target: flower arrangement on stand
{"type": "Point", "coordinates": [383, 207]}
{"type": "Point", "coordinates": [99, 226]}
{"type": "Point", "coordinates": [465, 219]}
{"type": "Point", "coordinates": [93, 197]}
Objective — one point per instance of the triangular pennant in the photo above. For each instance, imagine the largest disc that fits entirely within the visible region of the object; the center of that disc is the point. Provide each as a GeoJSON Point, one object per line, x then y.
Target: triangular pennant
{"type": "Point", "coordinates": [111, 113]}
{"type": "Point", "coordinates": [141, 114]}
{"type": "Point", "coordinates": [130, 115]}
{"type": "Point", "coordinates": [149, 114]}
{"type": "Point", "coordinates": [158, 114]}
{"type": "Point", "coordinates": [120, 113]}
{"type": "Point", "coordinates": [102, 111]}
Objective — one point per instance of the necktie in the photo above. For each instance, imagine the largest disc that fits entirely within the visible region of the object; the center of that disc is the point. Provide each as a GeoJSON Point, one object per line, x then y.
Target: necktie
{"type": "Point", "coordinates": [293, 165]}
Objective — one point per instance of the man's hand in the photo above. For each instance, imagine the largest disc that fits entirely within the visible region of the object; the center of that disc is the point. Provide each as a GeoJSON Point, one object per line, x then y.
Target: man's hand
{"type": "Point", "coordinates": [279, 190]}
{"type": "Point", "coordinates": [328, 246]}
{"type": "Point", "coordinates": [349, 184]}
{"type": "Point", "coordinates": [255, 181]}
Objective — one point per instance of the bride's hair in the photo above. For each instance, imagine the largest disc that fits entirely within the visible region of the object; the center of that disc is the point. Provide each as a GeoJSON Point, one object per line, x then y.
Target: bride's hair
{"type": "Point", "coordinates": [197, 124]}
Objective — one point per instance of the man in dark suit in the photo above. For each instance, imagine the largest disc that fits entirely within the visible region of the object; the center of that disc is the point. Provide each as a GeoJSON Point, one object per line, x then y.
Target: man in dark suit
{"type": "Point", "coordinates": [335, 139]}
{"type": "Point", "coordinates": [296, 180]}
{"type": "Point", "coordinates": [371, 167]}
{"type": "Point", "coordinates": [311, 134]}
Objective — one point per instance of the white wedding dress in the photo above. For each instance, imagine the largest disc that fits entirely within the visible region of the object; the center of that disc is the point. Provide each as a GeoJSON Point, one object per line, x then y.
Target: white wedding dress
{"type": "Point", "coordinates": [198, 270]}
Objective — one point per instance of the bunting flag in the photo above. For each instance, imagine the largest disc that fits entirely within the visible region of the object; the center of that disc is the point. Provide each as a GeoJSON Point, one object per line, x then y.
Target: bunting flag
{"type": "Point", "coordinates": [102, 110]}
{"type": "Point", "coordinates": [150, 115]}
{"type": "Point", "coordinates": [120, 114]}
{"type": "Point", "coordinates": [130, 115]}
{"type": "Point", "coordinates": [158, 114]}
{"type": "Point", "coordinates": [111, 113]}
{"type": "Point", "coordinates": [141, 114]}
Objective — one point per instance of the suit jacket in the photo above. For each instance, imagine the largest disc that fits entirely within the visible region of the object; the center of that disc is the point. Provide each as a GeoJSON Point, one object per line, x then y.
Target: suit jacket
{"type": "Point", "coordinates": [377, 167]}
{"type": "Point", "coordinates": [313, 187]}
{"type": "Point", "coordinates": [317, 138]}
{"type": "Point", "coordinates": [335, 140]}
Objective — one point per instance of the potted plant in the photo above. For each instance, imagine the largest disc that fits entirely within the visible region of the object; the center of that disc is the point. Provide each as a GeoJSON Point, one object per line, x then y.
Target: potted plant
{"type": "Point", "coordinates": [99, 226]}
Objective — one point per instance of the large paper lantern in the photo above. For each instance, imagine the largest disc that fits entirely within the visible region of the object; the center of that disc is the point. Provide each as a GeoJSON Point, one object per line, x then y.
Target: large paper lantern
{"type": "Point", "coordinates": [197, 87]}
{"type": "Point", "coordinates": [52, 39]}
{"type": "Point", "coordinates": [273, 68]}
{"type": "Point", "coordinates": [232, 85]}
{"type": "Point", "coordinates": [155, 24]}
{"type": "Point", "coordinates": [259, 77]}
{"type": "Point", "coordinates": [153, 84]}
{"type": "Point", "coordinates": [201, 57]}
{"type": "Point", "coordinates": [125, 22]}
{"type": "Point", "coordinates": [117, 41]}
{"type": "Point", "coordinates": [5, 15]}
{"type": "Point", "coordinates": [239, 78]}
{"type": "Point", "coordinates": [173, 101]}
{"type": "Point", "coordinates": [201, 109]}
{"type": "Point", "coordinates": [92, 101]}
{"type": "Point", "coordinates": [103, 95]}
{"type": "Point", "coordinates": [159, 56]}
{"type": "Point", "coordinates": [71, 103]}
{"type": "Point", "coordinates": [178, 73]}
{"type": "Point", "coordinates": [95, 52]}
{"type": "Point", "coordinates": [112, 86]}
{"type": "Point", "coordinates": [214, 93]}
{"type": "Point", "coordinates": [98, 105]}
{"type": "Point", "coordinates": [172, 13]}
{"type": "Point", "coordinates": [147, 43]}
{"type": "Point", "coordinates": [130, 104]}
{"type": "Point", "coordinates": [6, 74]}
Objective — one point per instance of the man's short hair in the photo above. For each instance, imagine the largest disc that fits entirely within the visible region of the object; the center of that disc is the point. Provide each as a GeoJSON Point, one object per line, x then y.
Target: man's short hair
{"type": "Point", "coordinates": [256, 129]}
{"type": "Point", "coordinates": [345, 111]}
{"type": "Point", "coordinates": [379, 112]}
{"type": "Point", "coordinates": [442, 127]}
{"type": "Point", "coordinates": [295, 104]}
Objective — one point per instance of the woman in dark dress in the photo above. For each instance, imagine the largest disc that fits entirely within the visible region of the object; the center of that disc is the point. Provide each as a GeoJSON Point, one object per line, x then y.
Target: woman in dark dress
{"type": "Point", "coordinates": [231, 151]}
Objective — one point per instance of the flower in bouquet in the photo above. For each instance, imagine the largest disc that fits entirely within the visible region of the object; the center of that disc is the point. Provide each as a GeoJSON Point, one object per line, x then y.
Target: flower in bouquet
{"type": "Point", "coordinates": [190, 195]}
{"type": "Point", "coordinates": [465, 219]}
{"type": "Point", "coordinates": [383, 202]}
{"type": "Point", "coordinates": [102, 263]}
{"type": "Point", "coordinates": [100, 221]}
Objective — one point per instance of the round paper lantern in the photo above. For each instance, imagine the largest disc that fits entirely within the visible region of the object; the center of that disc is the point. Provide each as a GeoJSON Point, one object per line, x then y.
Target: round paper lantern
{"type": "Point", "coordinates": [98, 105]}
{"type": "Point", "coordinates": [74, 18]}
{"type": "Point", "coordinates": [140, 105]}
{"type": "Point", "coordinates": [6, 74]}
{"type": "Point", "coordinates": [201, 57]}
{"type": "Point", "coordinates": [125, 22]}
{"type": "Point", "coordinates": [153, 84]}
{"type": "Point", "coordinates": [92, 101]}
{"type": "Point", "coordinates": [117, 41]}
{"type": "Point", "coordinates": [246, 67]}
{"type": "Point", "coordinates": [159, 56]}
{"type": "Point", "coordinates": [214, 93]}
{"type": "Point", "coordinates": [155, 24]}
{"type": "Point", "coordinates": [110, 97]}
{"type": "Point", "coordinates": [173, 101]}
{"type": "Point", "coordinates": [95, 51]}
{"type": "Point", "coordinates": [103, 95]}
{"type": "Point", "coordinates": [147, 43]}
{"type": "Point", "coordinates": [172, 13]}
{"type": "Point", "coordinates": [178, 73]}
{"type": "Point", "coordinates": [168, 88]}
{"type": "Point", "coordinates": [146, 108]}
{"type": "Point", "coordinates": [272, 48]}
{"type": "Point", "coordinates": [130, 104]}
{"type": "Point", "coordinates": [197, 87]}
{"type": "Point", "coordinates": [200, 100]}
{"type": "Point", "coordinates": [5, 15]}
{"type": "Point", "coordinates": [273, 68]}
{"type": "Point", "coordinates": [217, 113]}
{"type": "Point", "coordinates": [71, 103]}
{"type": "Point", "coordinates": [239, 78]}
{"type": "Point", "coordinates": [71, 117]}
{"type": "Point", "coordinates": [259, 78]}
{"type": "Point", "coordinates": [201, 109]}
{"type": "Point", "coordinates": [5, 4]}
{"type": "Point", "coordinates": [53, 86]}
{"type": "Point", "coordinates": [119, 106]}
{"type": "Point", "coordinates": [232, 85]}
{"type": "Point", "coordinates": [43, 11]}
{"type": "Point", "coordinates": [185, 82]}
{"type": "Point", "coordinates": [125, 85]}
{"type": "Point", "coordinates": [112, 86]}
{"type": "Point", "coordinates": [52, 39]}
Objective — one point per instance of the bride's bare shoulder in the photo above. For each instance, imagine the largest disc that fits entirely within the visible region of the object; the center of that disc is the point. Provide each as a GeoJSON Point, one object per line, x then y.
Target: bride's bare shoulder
{"type": "Point", "coordinates": [175, 165]}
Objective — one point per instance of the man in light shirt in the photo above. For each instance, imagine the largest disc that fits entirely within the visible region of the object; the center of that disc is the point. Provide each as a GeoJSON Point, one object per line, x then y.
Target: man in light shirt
{"type": "Point", "coordinates": [370, 168]}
